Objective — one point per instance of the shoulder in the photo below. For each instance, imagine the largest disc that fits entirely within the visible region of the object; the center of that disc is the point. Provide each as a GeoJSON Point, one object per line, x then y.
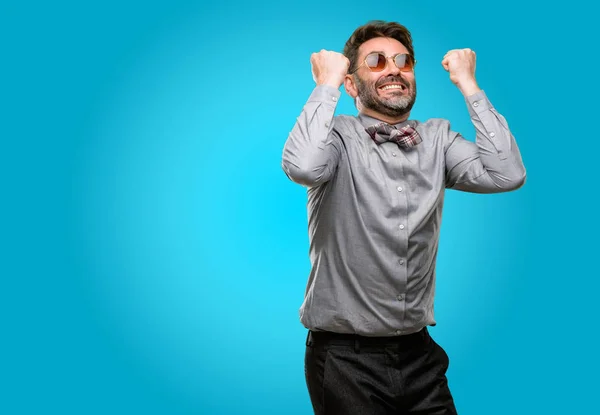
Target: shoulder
{"type": "Point", "coordinates": [348, 127]}
{"type": "Point", "coordinates": [347, 121]}
{"type": "Point", "coordinates": [435, 128]}
{"type": "Point", "coordinates": [435, 132]}
{"type": "Point", "coordinates": [433, 125]}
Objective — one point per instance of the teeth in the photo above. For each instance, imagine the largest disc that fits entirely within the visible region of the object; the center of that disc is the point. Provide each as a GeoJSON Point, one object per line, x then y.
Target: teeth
{"type": "Point", "coordinates": [392, 87]}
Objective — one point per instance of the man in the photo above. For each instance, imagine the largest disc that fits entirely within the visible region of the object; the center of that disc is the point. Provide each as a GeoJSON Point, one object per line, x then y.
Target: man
{"type": "Point", "coordinates": [375, 193]}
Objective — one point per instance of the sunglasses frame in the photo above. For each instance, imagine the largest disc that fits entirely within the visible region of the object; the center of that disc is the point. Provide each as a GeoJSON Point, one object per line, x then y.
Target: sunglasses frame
{"type": "Point", "coordinates": [387, 58]}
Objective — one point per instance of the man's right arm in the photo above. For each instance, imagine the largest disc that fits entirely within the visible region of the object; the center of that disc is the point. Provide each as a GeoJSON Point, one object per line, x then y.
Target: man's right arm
{"type": "Point", "coordinates": [312, 150]}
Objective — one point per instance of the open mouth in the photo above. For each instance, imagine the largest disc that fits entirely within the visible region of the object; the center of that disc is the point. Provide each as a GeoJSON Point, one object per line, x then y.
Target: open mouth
{"type": "Point", "coordinates": [392, 87]}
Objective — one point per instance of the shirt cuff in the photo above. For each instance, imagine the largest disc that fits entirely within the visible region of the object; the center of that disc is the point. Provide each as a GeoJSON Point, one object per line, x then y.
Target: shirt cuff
{"type": "Point", "coordinates": [478, 103]}
{"type": "Point", "coordinates": [325, 94]}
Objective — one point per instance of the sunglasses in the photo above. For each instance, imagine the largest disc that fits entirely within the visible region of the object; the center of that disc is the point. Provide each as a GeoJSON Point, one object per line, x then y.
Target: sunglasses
{"type": "Point", "coordinates": [377, 62]}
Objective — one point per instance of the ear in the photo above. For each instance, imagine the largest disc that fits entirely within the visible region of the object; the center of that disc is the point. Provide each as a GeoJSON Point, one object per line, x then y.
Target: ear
{"type": "Point", "coordinates": [350, 86]}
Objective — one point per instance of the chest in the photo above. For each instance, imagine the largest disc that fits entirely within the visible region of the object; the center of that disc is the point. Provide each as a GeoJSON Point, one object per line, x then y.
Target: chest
{"type": "Point", "coordinates": [386, 169]}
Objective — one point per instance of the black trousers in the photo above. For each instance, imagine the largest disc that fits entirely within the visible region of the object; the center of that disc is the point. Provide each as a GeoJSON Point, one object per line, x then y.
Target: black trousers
{"type": "Point", "coordinates": [353, 375]}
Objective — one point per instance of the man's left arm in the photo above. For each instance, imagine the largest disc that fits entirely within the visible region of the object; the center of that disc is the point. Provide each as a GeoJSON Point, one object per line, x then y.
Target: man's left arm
{"type": "Point", "coordinates": [492, 164]}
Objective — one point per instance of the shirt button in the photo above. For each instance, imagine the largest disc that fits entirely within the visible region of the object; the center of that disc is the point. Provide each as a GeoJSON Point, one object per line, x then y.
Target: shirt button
{"type": "Point", "coordinates": [398, 332]}
{"type": "Point", "coordinates": [400, 297]}
{"type": "Point", "coordinates": [394, 154]}
{"type": "Point", "coordinates": [334, 99]}
{"type": "Point", "coordinates": [492, 134]}
{"type": "Point", "coordinates": [399, 188]}
{"type": "Point", "coordinates": [475, 103]}
{"type": "Point", "coordinates": [327, 124]}
{"type": "Point", "coordinates": [401, 226]}
{"type": "Point", "coordinates": [401, 261]}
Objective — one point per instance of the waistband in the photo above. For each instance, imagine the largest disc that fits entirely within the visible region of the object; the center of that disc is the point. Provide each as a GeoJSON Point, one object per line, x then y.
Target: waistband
{"type": "Point", "coordinates": [327, 338]}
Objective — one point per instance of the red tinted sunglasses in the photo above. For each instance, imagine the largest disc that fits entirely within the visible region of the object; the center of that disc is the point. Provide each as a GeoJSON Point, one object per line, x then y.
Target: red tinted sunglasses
{"type": "Point", "coordinates": [377, 62]}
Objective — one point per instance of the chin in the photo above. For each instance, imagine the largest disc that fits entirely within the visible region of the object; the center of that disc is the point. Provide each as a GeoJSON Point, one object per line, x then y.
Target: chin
{"type": "Point", "coordinates": [401, 105]}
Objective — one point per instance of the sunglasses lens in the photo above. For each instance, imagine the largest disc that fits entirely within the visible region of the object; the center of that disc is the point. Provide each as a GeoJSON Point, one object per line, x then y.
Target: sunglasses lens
{"type": "Point", "coordinates": [404, 62]}
{"type": "Point", "coordinates": [376, 61]}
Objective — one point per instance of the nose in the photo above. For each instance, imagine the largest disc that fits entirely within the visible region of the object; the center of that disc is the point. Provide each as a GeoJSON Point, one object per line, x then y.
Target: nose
{"type": "Point", "coordinates": [391, 68]}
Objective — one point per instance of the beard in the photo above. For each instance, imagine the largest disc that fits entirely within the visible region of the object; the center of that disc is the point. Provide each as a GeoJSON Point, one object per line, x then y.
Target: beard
{"type": "Point", "coordinates": [395, 104]}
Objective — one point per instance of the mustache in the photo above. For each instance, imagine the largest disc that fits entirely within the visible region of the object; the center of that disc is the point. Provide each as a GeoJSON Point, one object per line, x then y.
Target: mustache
{"type": "Point", "coordinates": [394, 79]}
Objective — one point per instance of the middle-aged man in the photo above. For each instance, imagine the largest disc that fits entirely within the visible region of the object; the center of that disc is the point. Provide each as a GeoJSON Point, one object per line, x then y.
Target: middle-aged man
{"type": "Point", "coordinates": [376, 186]}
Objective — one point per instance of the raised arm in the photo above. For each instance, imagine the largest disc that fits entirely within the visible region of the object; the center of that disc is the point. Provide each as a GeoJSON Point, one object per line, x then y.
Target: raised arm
{"type": "Point", "coordinates": [312, 150]}
{"type": "Point", "coordinates": [493, 163]}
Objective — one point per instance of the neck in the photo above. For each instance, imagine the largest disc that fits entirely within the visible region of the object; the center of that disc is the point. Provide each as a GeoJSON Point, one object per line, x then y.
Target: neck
{"type": "Point", "coordinates": [385, 118]}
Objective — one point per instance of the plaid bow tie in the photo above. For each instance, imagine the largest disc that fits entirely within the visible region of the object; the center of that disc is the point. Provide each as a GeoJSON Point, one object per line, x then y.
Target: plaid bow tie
{"type": "Point", "coordinates": [405, 136]}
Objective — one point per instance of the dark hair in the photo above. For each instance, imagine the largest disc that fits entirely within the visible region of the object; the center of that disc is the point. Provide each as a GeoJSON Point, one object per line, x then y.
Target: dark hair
{"type": "Point", "coordinates": [373, 29]}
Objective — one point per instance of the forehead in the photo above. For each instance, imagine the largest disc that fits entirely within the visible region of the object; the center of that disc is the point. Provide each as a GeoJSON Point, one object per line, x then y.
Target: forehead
{"type": "Point", "coordinates": [387, 45]}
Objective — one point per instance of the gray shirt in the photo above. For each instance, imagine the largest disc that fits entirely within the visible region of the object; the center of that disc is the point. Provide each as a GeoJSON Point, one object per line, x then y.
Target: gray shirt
{"type": "Point", "coordinates": [374, 211]}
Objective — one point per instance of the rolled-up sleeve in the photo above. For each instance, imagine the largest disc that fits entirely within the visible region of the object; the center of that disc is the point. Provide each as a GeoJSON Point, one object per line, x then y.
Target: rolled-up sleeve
{"type": "Point", "coordinates": [312, 150]}
{"type": "Point", "coordinates": [493, 163]}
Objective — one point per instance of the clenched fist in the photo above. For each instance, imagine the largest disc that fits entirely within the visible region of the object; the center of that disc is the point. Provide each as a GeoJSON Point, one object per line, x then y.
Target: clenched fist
{"type": "Point", "coordinates": [329, 68]}
{"type": "Point", "coordinates": [460, 63]}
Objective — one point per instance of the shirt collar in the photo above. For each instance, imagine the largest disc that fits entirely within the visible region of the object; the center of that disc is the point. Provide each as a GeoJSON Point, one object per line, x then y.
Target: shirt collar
{"type": "Point", "coordinates": [368, 121]}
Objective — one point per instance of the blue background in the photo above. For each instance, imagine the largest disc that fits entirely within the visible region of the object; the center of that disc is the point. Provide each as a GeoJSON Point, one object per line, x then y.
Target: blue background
{"type": "Point", "coordinates": [154, 255]}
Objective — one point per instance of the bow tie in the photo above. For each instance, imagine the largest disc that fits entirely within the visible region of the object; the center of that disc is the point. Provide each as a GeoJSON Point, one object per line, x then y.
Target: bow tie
{"type": "Point", "coordinates": [405, 136]}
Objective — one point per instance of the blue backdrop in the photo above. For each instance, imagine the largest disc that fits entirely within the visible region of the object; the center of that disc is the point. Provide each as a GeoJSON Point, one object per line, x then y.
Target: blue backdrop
{"type": "Point", "coordinates": [154, 254]}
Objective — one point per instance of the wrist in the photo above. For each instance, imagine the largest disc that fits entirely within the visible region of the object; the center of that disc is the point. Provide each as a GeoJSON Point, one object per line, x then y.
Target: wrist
{"type": "Point", "coordinates": [468, 87]}
{"type": "Point", "coordinates": [334, 83]}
